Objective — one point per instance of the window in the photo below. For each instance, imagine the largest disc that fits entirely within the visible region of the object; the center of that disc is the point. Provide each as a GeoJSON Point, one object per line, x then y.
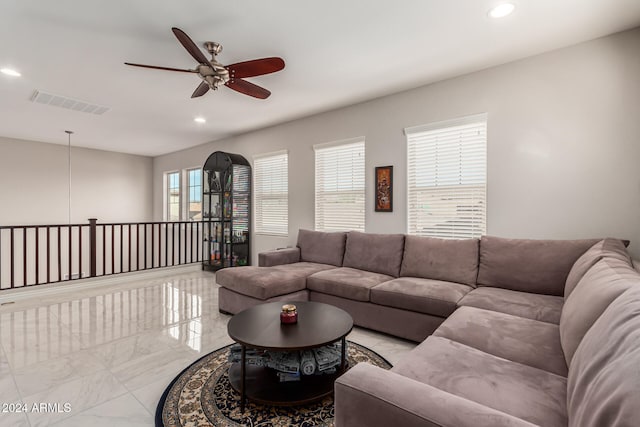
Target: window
{"type": "Point", "coordinates": [194, 194]}
{"type": "Point", "coordinates": [173, 196]}
{"type": "Point", "coordinates": [340, 185]}
{"type": "Point", "coordinates": [446, 178]}
{"type": "Point", "coordinates": [271, 193]}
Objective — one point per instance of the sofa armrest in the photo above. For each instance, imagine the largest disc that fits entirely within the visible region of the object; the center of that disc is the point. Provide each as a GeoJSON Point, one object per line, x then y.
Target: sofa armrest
{"type": "Point", "coordinates": [279, 257]}
{"type": "Point", "coordinates": [370, 396]}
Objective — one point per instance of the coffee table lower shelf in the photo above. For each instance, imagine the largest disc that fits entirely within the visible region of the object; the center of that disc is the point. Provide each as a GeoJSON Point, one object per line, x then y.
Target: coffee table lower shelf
{"type": "Point", "coordinates": [263, 386]}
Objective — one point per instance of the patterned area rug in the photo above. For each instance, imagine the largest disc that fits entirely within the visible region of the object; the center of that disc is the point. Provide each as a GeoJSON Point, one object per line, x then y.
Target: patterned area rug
{"type": "Point", "coordinates": [202, 396]}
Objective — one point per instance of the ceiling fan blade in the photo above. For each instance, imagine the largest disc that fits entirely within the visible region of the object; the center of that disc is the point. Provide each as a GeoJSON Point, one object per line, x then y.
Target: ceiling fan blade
{"type": "Point", "coordinates": [191, 47]}
{"type": "Point", "coordinates": [247, 88]}
{"type": "Point", "coordinates": [161, 68]}
{"type": "Point", "coordinates": [200, 90]}
{"type": "Point", "coordinates": [256, 67]}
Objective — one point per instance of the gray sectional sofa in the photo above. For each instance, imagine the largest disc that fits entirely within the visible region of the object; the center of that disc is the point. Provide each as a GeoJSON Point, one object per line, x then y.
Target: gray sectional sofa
{"type": "Point", "coordinates": [513, 332]}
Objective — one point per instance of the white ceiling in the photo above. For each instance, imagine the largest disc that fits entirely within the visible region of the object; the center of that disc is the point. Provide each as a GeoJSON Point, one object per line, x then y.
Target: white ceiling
{"type": "Point", "coordinates": [336, 52]}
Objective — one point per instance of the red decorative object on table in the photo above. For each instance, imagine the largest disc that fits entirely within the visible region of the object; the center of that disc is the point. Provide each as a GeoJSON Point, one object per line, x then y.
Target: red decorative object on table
{"type": "Point", "coordinates": [288, 314]}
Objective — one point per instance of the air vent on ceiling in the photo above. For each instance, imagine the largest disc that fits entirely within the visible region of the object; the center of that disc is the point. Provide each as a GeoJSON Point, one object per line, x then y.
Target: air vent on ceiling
{"type": "Point", "coordinates": [68, 103]}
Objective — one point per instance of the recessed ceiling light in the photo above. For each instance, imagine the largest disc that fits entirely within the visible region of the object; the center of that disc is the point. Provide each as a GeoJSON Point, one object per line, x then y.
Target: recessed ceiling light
{"type": "Point", "coordinates": [10, 72]}
{"type": "Point", "coordinates": [502, 10]}
{"type": "Point", "coordinates": [200, 120]}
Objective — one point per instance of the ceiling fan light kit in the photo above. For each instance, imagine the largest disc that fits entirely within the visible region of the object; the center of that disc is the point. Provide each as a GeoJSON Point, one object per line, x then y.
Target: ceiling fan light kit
{"type": "Point", "coordinates": [214, 74]}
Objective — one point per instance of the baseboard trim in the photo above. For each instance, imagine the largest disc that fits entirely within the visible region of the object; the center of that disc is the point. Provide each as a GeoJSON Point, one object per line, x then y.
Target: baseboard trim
{"type": "Point", "coordinates": [18, 294]}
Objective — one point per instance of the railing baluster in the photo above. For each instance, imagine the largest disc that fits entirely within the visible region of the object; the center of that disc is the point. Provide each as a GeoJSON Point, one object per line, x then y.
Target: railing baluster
{"type": "Point", "coordinates": [191, 241]}
{"type": "Point", "coordinates": [129, 246]}
{"type": "Point", "coordinates": [186, 243]}
{"type": "Point", "coordinates": [59, 255]}
{"type": "Point", "coordinates": [153, 235]}
{"type": "Point", "coordinates": [113, 249]}
{"type": "Point", "coordinates": [173, 240]}
{"type": "Point", "coordinates": [138, 246]}
{"type": "Point", "coordinates": [70, 252]}
{"type": "Point", "coordinates": [104, 250]}
{"type": "Point", "coordinates": [93, 236]}
{"type": "Point", "coordinates": [24, 256]}
{"type": "Point", "coordinates": [79, 252]}
{"type": "Point", "coordinates": [166, 245]}
{"type": "Point", "coordinates": [188, 231]}
{"type": "Point", "coordinates": [48, 254]}
{"type": "Point", "coordinates": [179, 240]}
{"type": "Point", "coordinates": [159, 245]}
{"type": "Point", "coordinates": [121, 250]}
{"type": "Point", "coordinates": [37, 255]}
{"type": "Point", "coordinates": [12, 284]}
{"type": "Point", "coordinates": [145, 246]}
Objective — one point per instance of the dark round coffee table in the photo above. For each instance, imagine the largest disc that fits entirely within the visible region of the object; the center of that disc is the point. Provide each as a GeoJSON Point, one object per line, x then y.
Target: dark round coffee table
{"type": "Point", "coordinates": [259, 327]}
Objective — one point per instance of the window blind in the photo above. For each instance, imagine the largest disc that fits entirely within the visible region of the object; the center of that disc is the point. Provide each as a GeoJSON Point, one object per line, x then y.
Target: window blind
{"type": "Point", "coordinates": [271, 193]}
{"type": "Point", "coordinates": [446, 178]}
{"type": "Point", "coordinates": [340, 181]}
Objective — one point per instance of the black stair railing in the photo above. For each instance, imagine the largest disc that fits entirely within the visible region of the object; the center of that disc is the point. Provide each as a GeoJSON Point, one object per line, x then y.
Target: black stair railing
{"type": "Point", "coordinates": [39, 254]}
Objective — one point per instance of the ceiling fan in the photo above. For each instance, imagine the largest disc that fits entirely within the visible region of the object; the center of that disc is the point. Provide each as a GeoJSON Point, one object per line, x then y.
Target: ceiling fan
{"type": "Point", "coordinates": [214, 74]}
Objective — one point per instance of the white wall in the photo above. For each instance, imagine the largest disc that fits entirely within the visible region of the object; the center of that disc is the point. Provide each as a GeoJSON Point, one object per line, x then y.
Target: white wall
{"type": "Point", "coordinates": [563, 144]}
{"type": "Point", "coordinates": [34, 177]}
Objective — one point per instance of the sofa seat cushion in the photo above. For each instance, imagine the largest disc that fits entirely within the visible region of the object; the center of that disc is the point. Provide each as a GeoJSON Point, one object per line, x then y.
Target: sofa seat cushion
{"type": "Point", "coordinates": [346, 282]}
{"type": "Point", "coordinates": [538, 266]}
{"type": "Point", "coordinates": [530, 342]}
{"type": "Point", "coordinates": [546, 308]}
{"type": "Point", "coordinates": [268, 282]}
{"type": "Point", "coordinates": [602, 284]}
{"type": "Point", "coordinates": [452, 260]}
{"type": "Point", "coordinates": [609, 248]}
{"type": "Point", "coordinates": [422, 295]}
{"type": "Point", "coordinates": [604, 377]}
{"type": "Point", "coordinates": [525, 392]}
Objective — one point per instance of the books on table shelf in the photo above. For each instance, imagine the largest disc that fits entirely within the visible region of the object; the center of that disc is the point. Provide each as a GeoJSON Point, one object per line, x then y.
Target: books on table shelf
{"type": "Point", "coordinates": [292, 365]}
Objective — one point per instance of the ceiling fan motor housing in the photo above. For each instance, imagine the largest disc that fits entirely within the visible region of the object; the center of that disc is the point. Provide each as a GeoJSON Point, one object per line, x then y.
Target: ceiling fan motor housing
{"type": "Point", "coordinates": [215, 74]}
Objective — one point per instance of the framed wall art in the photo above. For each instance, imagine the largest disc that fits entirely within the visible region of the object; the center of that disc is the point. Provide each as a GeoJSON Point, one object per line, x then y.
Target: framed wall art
{"type": "Point", "coordinates": [384, 189]}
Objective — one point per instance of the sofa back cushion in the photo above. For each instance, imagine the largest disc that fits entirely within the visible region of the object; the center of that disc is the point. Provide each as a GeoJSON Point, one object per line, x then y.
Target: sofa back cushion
{"type": "Point", "coordinates": [603, 385]}
{"type": "Point", "coordinates": [321, 247]}
{"type": "Point", "coordinates": [378, 253]}
{"type": "Point", "coordinates": [537, 266]}
{"type": "Point", "coordinates": [613, 248]}
{"type": "Point", "coordinates": [603, 283]}
{"type": "Point", "coordinates": [441, 259]}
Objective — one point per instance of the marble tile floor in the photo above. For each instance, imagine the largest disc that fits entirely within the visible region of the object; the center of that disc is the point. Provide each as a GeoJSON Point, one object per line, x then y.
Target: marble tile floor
{"type": "Point", "coordinates": [108, 353]}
